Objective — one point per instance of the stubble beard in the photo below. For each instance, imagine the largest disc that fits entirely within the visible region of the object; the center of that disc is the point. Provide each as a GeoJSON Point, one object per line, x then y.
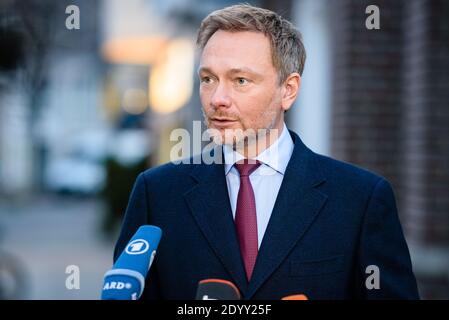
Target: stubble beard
{"type": "Point", "coordinates": [240, 139]}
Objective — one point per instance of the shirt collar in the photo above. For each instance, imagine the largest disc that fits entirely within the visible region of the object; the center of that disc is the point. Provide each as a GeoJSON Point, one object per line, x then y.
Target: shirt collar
{"type": "Point", "coordinates": [276, 156]}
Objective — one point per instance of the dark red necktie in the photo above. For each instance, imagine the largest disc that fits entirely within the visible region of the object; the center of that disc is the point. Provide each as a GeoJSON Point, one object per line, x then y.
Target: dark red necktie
{"type": "Point", "coordinates": [245, 216]}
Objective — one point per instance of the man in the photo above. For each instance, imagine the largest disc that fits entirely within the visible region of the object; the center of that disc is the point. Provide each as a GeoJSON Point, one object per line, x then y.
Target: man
{"type": "Point", "coordinates": [275, 218]}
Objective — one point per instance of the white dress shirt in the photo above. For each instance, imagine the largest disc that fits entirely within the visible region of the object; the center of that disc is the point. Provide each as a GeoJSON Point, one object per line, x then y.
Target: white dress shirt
{"type": "Point", "coordinates": [266, 180]}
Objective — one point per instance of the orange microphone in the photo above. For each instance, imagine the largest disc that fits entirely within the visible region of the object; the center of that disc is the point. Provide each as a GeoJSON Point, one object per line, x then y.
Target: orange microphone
{"type": "Point", "coordinates": [296, 297]}
{"type": "Point", "coordinates": [217, 289]}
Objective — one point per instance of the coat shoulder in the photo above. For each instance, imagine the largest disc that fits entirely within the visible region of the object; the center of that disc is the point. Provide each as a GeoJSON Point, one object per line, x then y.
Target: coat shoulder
{"type": "Point", "coordinates": [170, 172]}
{"type": "Point", "coordinates": [348, 174]}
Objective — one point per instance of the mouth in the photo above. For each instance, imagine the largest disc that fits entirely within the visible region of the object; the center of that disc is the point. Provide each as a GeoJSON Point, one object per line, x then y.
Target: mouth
{"type": "Point", "coordinates": [222, 122]}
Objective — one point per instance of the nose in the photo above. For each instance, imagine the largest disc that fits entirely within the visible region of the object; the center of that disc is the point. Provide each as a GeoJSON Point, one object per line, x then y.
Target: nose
{"type": "Point", "coordinates": [220, 98]}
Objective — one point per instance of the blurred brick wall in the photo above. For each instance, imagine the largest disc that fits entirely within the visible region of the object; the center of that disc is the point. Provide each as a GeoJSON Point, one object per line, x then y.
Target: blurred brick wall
{"type": "Point", "coordinates": [367, 88]}
{"type": "Point", "coordinates": [425, 135]}
{"type": "Point", "coordinates": [426, 120]}
{"type": "Point", "coordinates": [391, 115]}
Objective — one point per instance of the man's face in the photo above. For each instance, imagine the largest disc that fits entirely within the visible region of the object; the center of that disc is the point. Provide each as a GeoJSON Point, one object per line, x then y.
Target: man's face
{"type": "Point", "coordinates": [239, 86]}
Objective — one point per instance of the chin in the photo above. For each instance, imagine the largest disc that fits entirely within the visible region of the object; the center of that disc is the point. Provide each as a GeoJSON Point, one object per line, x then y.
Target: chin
{"type": "Point", "coordinates": [224, 136]}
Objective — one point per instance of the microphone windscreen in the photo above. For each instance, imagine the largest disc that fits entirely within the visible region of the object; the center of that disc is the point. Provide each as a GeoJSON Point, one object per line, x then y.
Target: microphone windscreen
{"type": "Point", "coordinates": [126, 279]}
{"type": "Point", "coordinates": [296, 297]}
{"type": "Point", "coordinates": [217, 289]}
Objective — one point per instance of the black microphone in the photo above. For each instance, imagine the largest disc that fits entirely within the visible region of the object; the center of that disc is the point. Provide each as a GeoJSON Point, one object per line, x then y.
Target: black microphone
{"type": "Point", "coordinates": [217, 289]}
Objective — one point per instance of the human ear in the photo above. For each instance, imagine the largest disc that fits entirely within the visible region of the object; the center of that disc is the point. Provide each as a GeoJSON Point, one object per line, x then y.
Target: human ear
{"type": "Point", "coordinates": [290, 90]}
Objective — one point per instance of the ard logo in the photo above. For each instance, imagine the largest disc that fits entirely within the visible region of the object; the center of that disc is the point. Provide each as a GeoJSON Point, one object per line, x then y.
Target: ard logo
{"type": "Point", "coordinates": [138, 246]}
{"type": "Point", "coordinates": [117, 285]}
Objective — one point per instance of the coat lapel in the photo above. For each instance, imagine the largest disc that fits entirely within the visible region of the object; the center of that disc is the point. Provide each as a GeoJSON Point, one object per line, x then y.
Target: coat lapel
{"type": "Point", "coordinates": [210, 206]}
{"type": "Point", "coordinates": [296, 207]}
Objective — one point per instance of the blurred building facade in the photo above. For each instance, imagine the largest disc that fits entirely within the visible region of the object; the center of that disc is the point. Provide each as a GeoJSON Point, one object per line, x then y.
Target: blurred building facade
{"type": "Point", "coordinates": [53, 97]}
{"type": "Point", "coordinates": [390, 113]}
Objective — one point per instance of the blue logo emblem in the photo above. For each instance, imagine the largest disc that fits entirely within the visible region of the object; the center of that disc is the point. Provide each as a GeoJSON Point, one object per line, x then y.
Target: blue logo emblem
{"type": "Point", "coordinates": [137, 246]}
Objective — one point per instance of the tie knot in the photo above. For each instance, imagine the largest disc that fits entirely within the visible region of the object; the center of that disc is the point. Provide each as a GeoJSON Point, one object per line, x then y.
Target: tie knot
{"type": "Point", "coordinates": [246, 166]}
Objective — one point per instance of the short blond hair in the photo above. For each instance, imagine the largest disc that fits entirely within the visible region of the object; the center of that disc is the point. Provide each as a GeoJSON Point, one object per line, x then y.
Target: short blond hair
{"type": "Point", "coordinates": [287, 49]}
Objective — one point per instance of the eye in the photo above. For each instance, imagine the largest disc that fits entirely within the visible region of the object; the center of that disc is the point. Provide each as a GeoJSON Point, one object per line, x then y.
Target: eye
{"type": "Point", "coordinates": [206, 80]}
{"type": "Point", "coordinates": [242, 81]}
